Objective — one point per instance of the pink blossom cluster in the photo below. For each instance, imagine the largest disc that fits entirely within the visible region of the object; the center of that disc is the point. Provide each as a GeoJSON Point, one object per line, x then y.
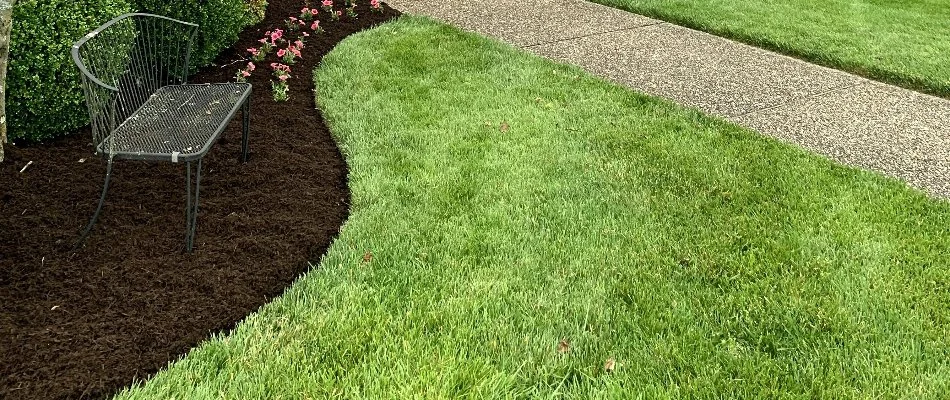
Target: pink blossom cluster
{"type": "Point", "coordinates": [308, 14]}
{"type": "Point", "coordinates": [245, 72]}
{"type": "Point", "coordinates": [293, 23]}
{"type": "Point", "coordinates": [281, 71]}
{"type": "Point", "coordinates": [272, 37]}
{"type": "Point", "coordinates": [257, 54]}
{"type": "Point", "coordinates": [292, 51]}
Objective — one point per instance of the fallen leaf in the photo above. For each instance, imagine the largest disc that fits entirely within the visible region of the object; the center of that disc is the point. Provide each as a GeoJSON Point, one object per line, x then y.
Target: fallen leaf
{"type": "Point", "coordinates": [504, 127]}
{"type": "Point", "coordinates": [610, 365]}
{"type": "Point", "coordinates": [563, 346]}
{"type": "Point", "coordinates": [367, 257]}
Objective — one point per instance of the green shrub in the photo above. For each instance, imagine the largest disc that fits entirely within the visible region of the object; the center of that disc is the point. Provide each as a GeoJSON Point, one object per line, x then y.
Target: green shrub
{"type": "Point", "coordinates": [256, 10]}
{"type": "Point", "coordinates": [44, 98]}
{"type": "Point", "coordinates": [220, 22]}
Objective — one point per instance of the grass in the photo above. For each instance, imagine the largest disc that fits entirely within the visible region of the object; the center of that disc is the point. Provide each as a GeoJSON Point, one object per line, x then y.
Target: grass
{"type": "Point", "coordinates": [903, 42]}
{"type": "Point", "coordinates": [503, 203]}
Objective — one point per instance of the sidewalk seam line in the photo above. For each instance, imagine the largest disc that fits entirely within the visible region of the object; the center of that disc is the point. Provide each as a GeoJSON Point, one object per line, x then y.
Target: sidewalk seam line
{"type": "Point", "coordinates": [595, 34]}
{"type": "Point", "coordinates": [792, 100]}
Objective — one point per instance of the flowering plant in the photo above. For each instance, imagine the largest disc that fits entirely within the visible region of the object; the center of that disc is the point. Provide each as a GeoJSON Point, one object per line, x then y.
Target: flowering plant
{"type": "Point", "coordinates": [292, 51]}
{"type": "Point", "coordinates": [245, 72]}
{"type": "Point", "coordinates": [308, 14]}
{"type": "Point", "coordinates": [280, 88]}
{"type": "Point", "coordinates": [257, 55]}
{"type": "Point", "coordinates": [327, 5]}
{"type": "Point", "coordinates": [276, 36]}
{"type": "Point", "coordinates": [374, 4]}
{"type": "Point", "coordinates": [268, 42]}
{"type": "Point", "coordinates": [293, 23]}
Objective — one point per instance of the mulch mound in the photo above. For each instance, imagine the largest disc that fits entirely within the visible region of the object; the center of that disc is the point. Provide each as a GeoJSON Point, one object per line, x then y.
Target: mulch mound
{"type": "Point", "coordinates": [85, 323]}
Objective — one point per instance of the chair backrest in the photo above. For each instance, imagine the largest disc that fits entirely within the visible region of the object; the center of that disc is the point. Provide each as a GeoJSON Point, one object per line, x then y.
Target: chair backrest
{"type": "Point", "coordinates": [125, 61]}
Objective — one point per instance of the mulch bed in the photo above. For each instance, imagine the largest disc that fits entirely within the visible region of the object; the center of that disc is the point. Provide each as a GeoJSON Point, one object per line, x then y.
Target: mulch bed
{"type": "Point", "coordinates": [85, 323]}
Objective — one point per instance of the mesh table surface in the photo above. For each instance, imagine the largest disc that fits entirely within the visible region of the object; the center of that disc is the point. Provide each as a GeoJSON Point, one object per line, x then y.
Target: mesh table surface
{"type": "Point", "coordinates": [177, 123]}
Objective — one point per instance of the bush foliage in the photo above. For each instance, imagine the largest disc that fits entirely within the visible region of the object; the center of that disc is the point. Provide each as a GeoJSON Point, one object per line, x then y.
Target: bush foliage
{"type": "Point", "coordinates": [256, 10]}
{"type": "Point", "coordinates": [220, 22]}
{"type": "Point", "coordinates": [44, 98]}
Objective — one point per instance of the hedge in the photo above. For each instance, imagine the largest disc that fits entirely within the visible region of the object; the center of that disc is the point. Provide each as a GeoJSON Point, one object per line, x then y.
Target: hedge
{"type": "Point", "coordinates": [220, 23]}
{"type": "Point", "coordinates": [44, 98]}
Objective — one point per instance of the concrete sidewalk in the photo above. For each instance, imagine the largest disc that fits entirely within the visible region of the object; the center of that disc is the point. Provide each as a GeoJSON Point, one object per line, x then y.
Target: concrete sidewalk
{"type": "Point", "coordinates": [850, 119]}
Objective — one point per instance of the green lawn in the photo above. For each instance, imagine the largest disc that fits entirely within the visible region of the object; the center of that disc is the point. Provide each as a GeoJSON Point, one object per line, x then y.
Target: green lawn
{"type": "Point", "coordinates": [904, 42]}
{"type": "Point", "coordinates": [510, 203]}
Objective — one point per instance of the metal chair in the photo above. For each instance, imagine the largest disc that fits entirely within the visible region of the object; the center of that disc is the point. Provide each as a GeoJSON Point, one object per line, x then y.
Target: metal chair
{"type": "Point", "coordinates": [134, 72]}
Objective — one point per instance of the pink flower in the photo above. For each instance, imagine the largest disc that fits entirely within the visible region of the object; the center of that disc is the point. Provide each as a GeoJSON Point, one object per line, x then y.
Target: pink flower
{"type": "Point", "coordinates": [251, 66]}
{"type": "Point", "coordinates": [305, 34]}
{"type": "Point", "coordinates": [305, 10]}
{"type": "Point", "coordinates": [293, 19]}
{"type": "Point", "coordinates": [298, 44]}
{"type": "Point", "coordinates": [313, 11]}
{"type": "Point", "coordinates": [328, 3]}
{"type": "Point", "coordinates": [262, 40]}
{"type": "Point", "coordinates": [339, 13]}
{"type": "Point", "coordinates": [281, 52]}
{"type": "Point", "coordinates": [245, 74]}
{"type": "Point", "coordinates": [315, 25]}
{"type": "Point", "coordinates": [277, 34]}
{"type": "Point", "coordinates": [274, 65]}
{"type": "Point", "coordinates": [253, 51]}
{"type": "Point", "coordinates": [283, 77]}
{"type": "Point", "coordinates": [294, 50]}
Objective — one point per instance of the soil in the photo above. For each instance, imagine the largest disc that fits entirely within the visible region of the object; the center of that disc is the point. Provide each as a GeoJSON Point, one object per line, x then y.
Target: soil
{"type": "Point", "coordinates": [85, 323]}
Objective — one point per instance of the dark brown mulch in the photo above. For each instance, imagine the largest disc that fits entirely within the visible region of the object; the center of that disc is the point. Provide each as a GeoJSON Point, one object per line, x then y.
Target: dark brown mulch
{"type": "Point", "coordinates": [85, 323]}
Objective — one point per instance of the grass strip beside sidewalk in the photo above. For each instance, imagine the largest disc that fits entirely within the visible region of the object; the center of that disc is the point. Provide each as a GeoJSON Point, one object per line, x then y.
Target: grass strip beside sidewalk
{"type": "Point", "coordinates": [902, 42]}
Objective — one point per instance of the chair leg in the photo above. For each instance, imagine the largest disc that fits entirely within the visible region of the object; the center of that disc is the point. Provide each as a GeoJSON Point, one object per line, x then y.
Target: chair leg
{"type": "Point", "coordinates": [246, 121]}
{"type": "Point", "coordinates": [102, 200]}
{"type": "Point", "coordinates": [191, 206]}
